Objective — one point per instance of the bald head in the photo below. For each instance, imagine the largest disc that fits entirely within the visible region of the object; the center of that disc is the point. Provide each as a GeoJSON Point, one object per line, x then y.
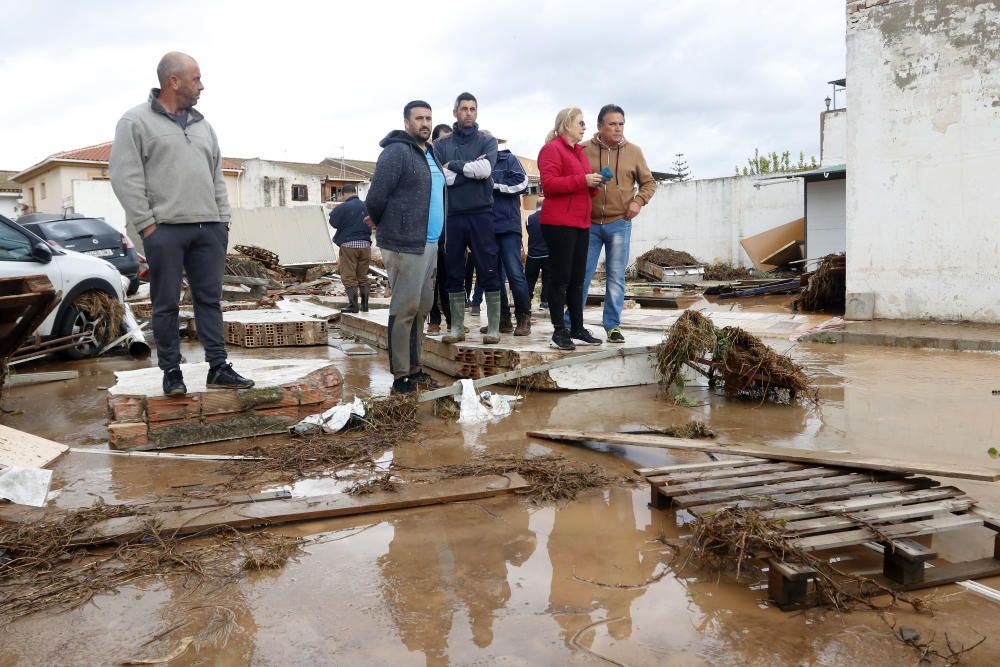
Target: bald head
{"type": "Point", "coordinates": [180, 82]}
{"type": "Point", "coordinates": [173, 64]}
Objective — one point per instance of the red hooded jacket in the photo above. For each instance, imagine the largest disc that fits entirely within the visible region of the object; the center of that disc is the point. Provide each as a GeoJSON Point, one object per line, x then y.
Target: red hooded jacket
{"type": "Point", "coordinates": [563, 169]}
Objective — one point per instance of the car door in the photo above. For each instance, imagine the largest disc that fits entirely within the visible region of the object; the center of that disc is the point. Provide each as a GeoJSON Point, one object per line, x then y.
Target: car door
{"type": "Point", "coordinates": [16, 260]}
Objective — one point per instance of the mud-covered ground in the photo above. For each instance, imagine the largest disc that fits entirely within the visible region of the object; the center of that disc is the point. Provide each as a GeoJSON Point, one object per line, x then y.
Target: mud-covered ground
{"type": "Point", "coordinates": [504, 582]}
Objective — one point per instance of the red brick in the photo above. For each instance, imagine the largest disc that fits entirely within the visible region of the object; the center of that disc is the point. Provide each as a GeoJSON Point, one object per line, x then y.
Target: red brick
{"type": "Point", "coordinates": [221, 401]}
{"type": "Point", "coordinates": [125, 408]}
{"type": "Point", "coordinates": [127, 435]}
{"type": "Point", "coordinates": [167, 408]}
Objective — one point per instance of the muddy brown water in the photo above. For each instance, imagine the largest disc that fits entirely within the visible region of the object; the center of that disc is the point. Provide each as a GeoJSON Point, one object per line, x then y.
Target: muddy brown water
{"type": "Point", "coordinates": [504, 582]}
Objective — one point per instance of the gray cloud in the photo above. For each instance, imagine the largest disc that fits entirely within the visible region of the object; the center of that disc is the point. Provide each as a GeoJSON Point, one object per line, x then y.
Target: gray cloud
{"type": "Point", "coordinates": [713, 80]}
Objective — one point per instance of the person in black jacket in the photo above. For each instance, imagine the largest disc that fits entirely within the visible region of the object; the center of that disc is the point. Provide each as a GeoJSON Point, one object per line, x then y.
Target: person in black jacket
{"type": "Point", "coordinates": [538, 257]}
{"type": "Point", "coordinates": [468, 156]}
{"type": "Point", "coordinates": [354, 241]}
{"type": "Point", "coordinates": [406, 205]}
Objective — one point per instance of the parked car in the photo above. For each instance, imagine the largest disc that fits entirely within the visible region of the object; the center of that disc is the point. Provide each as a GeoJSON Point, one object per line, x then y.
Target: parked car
{"type": "Point", "coordinates": [73, 274]}
{"type": "Point", "coordinates": [90, 236]}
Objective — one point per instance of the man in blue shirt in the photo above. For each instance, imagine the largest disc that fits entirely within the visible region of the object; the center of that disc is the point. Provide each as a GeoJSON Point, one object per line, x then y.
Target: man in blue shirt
{"type": "Point", "coordinates": [406, 207]}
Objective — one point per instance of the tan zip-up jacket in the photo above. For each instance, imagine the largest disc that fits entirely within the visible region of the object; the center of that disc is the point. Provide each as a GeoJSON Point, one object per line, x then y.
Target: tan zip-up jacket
{"type": "Point", "coordinates": [632, 179]}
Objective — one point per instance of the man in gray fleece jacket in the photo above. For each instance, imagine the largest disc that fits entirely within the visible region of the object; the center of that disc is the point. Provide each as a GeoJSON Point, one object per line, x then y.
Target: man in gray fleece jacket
{"type": "Point", "coordinates": [166, 170]}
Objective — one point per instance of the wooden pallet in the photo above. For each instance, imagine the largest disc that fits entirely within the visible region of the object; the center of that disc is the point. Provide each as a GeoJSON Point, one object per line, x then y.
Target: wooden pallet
{"type": "Point", "coordinates": [827, 508]}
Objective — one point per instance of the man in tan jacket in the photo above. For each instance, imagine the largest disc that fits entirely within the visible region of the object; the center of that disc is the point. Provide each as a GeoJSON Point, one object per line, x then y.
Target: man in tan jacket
{"type": "Point", "coordinates": [630, 187]}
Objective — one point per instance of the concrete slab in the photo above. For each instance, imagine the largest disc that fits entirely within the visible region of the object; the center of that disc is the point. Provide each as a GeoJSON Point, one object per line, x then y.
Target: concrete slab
{"type": "Point", "coordinates": [963, 336]}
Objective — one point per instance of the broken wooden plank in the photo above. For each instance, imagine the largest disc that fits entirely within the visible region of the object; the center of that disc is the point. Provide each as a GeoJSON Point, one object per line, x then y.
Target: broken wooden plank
{"type": "Point", "coordinates": [24, 450]}
{"type": "Point", "coordinates": [980, 473]}
{"type": "Point", "coordinates": [167, 455]}
{"type": "Point", "coordinates": [189, 521]}
{"type": "Point", "coordinates": [862, 503]}
{"type": "Point", "coordinates": [741, 494]}
{"type": "Point", "coordinates": [704, 476]}
{"type": "Point", "coordinates": [24, 379]}
{"type": "Point", "coordinates": [499, 378]}
{"type": "Point", "coordinates": [753, 481]}
{"type": "Point", "coordinates": [861, 535]}
{"type": "Point", "coordinates": [706, 465]}
{"type": "Point", "coordinates": [877, 516]}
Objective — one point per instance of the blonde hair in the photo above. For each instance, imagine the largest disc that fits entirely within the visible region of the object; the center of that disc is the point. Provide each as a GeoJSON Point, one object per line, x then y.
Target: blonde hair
{"type": "Point", "coordinates": [564, 119]}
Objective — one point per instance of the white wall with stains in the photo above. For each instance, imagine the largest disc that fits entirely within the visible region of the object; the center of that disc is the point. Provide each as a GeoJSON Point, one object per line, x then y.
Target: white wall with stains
{"type": "Point", "coordinates": [923, 149]}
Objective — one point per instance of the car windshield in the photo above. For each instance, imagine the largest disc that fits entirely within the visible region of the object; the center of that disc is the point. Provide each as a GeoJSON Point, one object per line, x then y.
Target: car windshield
{"type": "Point", "coordinates": [75, 228]}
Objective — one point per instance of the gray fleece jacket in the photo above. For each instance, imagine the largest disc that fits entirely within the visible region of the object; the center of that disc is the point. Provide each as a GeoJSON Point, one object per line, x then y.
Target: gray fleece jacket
{"type": "Point", "coordinates": [165, 174]}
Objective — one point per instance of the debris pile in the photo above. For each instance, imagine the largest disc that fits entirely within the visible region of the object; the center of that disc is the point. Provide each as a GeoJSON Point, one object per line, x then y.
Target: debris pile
{"type": "Point", "coordinates": [668, 257]}
{"type": "Point", "coordinates": [826, 289]}
{"type": "Point", "coordinates": [748, 368]}
{"type": "Point", "coordinates": [105, 312]}
{"type": "Point", "coordinates": [692, 429]}
{"type": "Point", "coordinates": [552, 477]}
{"type": "Point", "coordinates": [726, 271]}
{"type": "Point", "coordinates": [387, 423]}
{"type": "Point", "coordinates": [41, 571]}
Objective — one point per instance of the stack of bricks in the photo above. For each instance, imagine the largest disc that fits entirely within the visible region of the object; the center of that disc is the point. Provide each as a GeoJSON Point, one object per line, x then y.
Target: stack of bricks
{"type": "Point", "coordinates": [140, 421]}
{"type": "Point", "coordinates": [274, 328]}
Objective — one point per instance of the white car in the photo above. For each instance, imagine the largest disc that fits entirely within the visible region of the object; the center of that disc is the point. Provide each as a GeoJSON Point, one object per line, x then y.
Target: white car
{"type": "Point", "coordinates": [71, 273]}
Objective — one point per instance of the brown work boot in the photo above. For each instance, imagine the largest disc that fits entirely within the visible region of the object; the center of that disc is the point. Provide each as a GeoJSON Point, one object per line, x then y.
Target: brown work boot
{"type": "Point", "coordinates": [433, 329]}
{"type": "Point", "coordinates": [523, 325]}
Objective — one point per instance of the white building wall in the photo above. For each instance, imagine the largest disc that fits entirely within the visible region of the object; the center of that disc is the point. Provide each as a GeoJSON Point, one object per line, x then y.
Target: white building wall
{"type": "Point", "coordinates": [707, 218]}
{"type": "Point", "coordinates": [833, 137]}
{"type": "Point", "coordinates": [10, 206]}
{"type": "Point", "coordinates": [826, 218]}
{"type": "Point", "coordinates": [251, 185]}
{"type": "Point", "coordinates": [923, 147]}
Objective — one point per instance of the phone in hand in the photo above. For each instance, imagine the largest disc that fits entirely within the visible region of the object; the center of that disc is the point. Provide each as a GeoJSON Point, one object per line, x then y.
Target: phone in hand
{"type": "Point", "coordinates": [606, 174]}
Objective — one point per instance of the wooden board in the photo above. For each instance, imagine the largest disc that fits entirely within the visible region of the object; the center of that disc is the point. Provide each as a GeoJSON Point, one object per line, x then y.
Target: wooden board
{"type": "Point", "coordinates": [980, 473]}
{"type": "Point", "coordinates": [704, 476]}
{"type": "Point", "coordinates": [188, 521]}
{"type": "Point", "coordinates": [821, 494]}
{"type": "Point", "coordinates": [861, 535]}
{"type": "Point", "coordinates": [739, 494]}
{"type": "Point", "coordinates": [877, 516]}
{"type": "Point", "coordinates": [862, 503]}
{"type": "Point", "coordinates": [706, 465]}
{"type": "Point", "coordinates": [24, 450]}
{"type": "Point", "coordinates": [753, 481]}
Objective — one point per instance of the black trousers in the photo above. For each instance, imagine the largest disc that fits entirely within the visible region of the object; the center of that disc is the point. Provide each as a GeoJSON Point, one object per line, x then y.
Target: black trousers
{"type": "Point", "coordinates": [568, 248]}
{"type": "Point", "coordinates": [198, 249]}
{"type": "Point", "coordinates": [441, 303]}
{"type": "Point", "coordinates": [533, 266]}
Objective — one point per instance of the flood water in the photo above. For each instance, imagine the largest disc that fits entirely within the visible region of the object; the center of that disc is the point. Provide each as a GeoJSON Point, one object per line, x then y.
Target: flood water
{"type": "Point", "coordinates": [504, 582]}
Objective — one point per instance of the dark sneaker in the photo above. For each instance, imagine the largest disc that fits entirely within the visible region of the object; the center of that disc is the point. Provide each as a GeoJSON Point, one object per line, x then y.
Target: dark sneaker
{"type": "Point", "coordinates": [543, 306]}
{"type": "Point", "coordinates": [615, 336]}
{"type": "Point", "coordinates": [173, 383]}
{"type": "Point", "coordinates": [561, 340]}
{"type": "Point", "coordinates": [404, 385]}
{"type": "Point", "coordinates": [584, 337]}
{"type": "Point", "coordinates": [424, 381]}
{"type": "Point", "coordinates": [224, 377]}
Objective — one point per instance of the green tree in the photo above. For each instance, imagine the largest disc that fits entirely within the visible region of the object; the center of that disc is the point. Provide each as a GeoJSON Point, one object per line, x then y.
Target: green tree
{"type": "Point", "coordinates": [775, 163]}
{"type": "Point", "coordinates": [681, 168]}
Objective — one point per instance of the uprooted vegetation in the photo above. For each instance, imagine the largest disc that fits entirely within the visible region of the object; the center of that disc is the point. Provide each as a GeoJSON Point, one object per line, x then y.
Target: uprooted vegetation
{"type": "Point", "coordinates": [668, 257]}
{"type": "Point", "coordinates": [746, 367]}
{"type": "Point", "coordinates": [552, 477]}
{"type": "Point", "coordinates": [387, 423]}
{"type": "Point", "coordinates": [826, 289]}
{"type": "Point", "coordinates": [42, 570]}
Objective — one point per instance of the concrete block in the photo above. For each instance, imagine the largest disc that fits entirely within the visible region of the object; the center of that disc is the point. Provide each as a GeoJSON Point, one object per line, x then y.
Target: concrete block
{"type": "Point", "coordinates": [860, 306]}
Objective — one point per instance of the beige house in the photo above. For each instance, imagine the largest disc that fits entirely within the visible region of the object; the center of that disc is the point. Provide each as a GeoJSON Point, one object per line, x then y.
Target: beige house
{"type": "Point", "coordinates": [10, 195]}
{"type": "Point", "coordinates": [49, 186]}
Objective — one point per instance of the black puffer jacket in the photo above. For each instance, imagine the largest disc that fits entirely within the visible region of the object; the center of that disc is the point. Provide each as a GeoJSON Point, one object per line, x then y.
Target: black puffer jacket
{"type": "Point", "coordinates": [400, 194]}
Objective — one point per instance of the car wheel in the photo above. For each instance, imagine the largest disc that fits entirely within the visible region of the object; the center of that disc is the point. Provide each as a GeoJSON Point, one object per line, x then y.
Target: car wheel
{"type": "Point", "coordinates": [133, 286]}
{"type": "Point", "coordinates": [83, 316]}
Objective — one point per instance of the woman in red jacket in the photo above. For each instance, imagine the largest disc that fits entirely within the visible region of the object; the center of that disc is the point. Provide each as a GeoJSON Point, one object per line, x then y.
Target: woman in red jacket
{"type": "Point", "coordinates": [568, 185]}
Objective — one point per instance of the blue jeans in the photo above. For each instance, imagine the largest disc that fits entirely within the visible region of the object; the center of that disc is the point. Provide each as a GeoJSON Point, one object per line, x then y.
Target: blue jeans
{"type": "Point", "coordinates": [614, 237]}
{"type": "Point", "coordinates": [511, 271]}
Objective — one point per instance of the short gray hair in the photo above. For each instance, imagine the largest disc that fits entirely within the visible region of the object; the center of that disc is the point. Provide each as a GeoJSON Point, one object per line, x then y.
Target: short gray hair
{"type": "Point", "coordinates": [171, 64]}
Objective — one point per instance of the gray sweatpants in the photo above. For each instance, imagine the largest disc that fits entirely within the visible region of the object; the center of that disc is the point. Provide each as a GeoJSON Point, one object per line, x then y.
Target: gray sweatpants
{"type": "Point", "coordinates": [411, 278]}
{"type": "Point", "coordinates": [200, 250]}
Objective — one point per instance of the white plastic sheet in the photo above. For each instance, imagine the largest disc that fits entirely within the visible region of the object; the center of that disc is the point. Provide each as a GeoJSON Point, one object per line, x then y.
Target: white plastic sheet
{"type": "Point", "coordinates": [473, 410]}
{"type": "Point", "coordinates": [333, 420]}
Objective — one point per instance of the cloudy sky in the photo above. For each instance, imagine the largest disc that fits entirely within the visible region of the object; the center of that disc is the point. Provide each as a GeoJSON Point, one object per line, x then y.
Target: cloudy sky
{"type": "Point", "coordinates": [304, 80]}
